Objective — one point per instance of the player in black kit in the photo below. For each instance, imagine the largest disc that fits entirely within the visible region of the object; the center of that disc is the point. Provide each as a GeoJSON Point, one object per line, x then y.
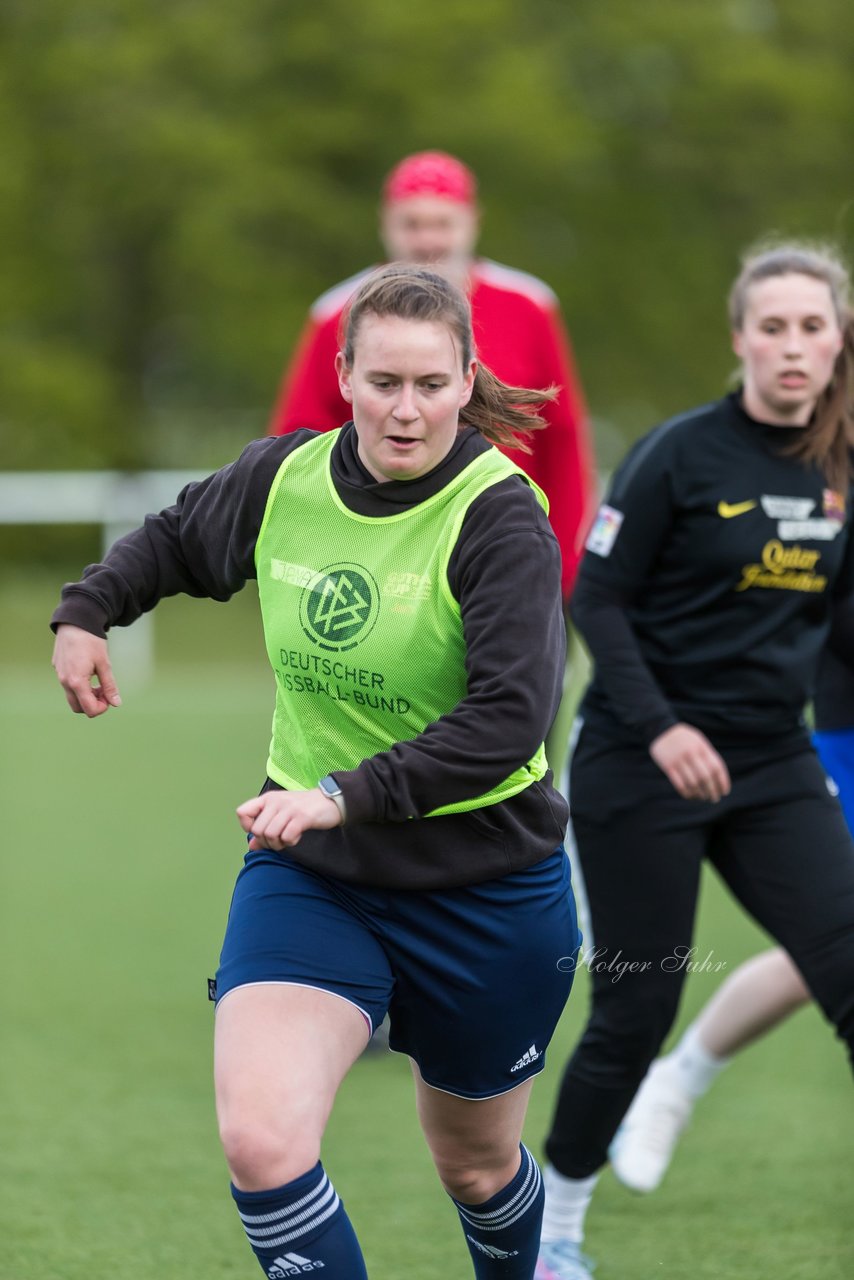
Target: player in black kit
{"type": "Point", "coordinates": [705, 599]}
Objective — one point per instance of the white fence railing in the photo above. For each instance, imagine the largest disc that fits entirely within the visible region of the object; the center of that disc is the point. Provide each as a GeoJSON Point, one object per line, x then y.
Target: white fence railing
{"type": "Point", "coordinates": [117, 501]}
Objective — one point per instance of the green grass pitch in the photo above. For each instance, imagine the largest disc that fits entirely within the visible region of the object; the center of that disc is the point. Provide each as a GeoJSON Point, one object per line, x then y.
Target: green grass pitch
{"type": "Point", "coordinates": [118, 855]}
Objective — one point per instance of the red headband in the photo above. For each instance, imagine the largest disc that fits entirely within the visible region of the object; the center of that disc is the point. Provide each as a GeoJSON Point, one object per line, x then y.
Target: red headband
{"type": "Point", "coordinates": [431, 173]}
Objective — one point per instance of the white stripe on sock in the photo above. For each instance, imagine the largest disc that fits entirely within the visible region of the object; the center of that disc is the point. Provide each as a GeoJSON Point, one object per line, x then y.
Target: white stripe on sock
{"type": "Point", "coordinates": [516, 1207]}
{"type": "Point", "coordinates": [286, 1223]}
{"type": "Point", "coordinates": [257, 1219]}
{"type": "Point", "coordinates": [300, 1232]}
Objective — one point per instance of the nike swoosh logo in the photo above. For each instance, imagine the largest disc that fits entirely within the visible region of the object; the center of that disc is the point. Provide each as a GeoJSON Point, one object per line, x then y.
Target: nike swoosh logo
{"type": "Point", "coordinates": [730, 509]}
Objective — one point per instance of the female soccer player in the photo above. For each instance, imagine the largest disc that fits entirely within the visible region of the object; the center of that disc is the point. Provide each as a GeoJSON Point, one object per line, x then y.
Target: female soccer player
{"type": "Point", "coordinates": [405, 851]}
{"type": "Point", "coordinates": [705, 598]}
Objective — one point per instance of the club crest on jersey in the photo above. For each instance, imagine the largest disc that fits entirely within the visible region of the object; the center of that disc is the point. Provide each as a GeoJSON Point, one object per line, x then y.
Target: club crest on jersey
{"type": "Point", "coordinates": [603, 535]}
{"type": "Point", "coordinates": [833, 505]}
{"type": "Point", "coordinates": [339, 606]}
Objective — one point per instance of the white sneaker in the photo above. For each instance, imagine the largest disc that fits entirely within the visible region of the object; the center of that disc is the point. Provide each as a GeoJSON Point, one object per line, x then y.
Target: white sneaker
{"type": "Point", "coordinates": [563, 1260]}
{"type": "Point", "coordinates": [643, 1145]}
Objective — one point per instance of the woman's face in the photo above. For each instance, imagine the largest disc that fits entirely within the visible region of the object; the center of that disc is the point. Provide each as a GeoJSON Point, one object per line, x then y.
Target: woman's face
{"type": "Point", "coordinates": [788, 345]}
{"type": "Point", "coordinates": [407, 386]}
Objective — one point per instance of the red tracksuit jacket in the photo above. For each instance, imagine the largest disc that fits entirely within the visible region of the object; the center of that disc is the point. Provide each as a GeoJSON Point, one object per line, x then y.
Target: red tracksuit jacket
{"type": "Point", "coordinates": [520, 336]}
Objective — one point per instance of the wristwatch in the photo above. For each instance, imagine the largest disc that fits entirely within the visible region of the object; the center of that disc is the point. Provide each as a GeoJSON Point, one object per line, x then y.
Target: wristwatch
{"type": "Point", "coordinates": [333, 792]}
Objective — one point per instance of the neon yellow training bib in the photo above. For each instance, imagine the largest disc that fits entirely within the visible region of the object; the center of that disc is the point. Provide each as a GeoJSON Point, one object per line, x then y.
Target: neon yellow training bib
{"type": "Point", "coordinates": [362, 631]}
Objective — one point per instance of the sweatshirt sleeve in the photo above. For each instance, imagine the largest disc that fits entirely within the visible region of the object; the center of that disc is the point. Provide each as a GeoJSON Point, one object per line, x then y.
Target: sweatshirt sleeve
{"type": "Point", "coordinates": [203, 546]}
{"type": "Point", "coordinates": [602, 619]}
{"type": "Point", "coordinates": [505, 572]}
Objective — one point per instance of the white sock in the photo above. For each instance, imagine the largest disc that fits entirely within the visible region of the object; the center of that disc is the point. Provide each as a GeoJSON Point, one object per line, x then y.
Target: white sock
{"type": "Point", "coordinates": [696, 1069]}
{"type": "Point", "coordinates": [566, 1204]}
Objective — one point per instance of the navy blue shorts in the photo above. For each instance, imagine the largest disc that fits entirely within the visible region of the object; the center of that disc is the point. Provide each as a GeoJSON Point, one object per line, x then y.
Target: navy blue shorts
{"type": "Point", "coordinates": [473, 979]}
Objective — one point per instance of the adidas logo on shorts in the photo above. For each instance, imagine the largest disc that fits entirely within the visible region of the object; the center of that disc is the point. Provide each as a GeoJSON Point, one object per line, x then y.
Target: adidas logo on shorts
{"type": "Point", "coordinates": [529, 1056]}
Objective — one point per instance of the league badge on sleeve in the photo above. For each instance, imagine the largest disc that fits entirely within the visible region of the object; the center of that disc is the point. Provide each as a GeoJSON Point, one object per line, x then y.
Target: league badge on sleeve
{"type": "Point", "coordinates": [603, 535]}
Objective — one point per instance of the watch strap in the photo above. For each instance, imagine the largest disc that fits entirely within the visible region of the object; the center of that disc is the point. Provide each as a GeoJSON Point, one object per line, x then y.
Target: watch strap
{"type": "Point", "coordinates": [333, 792]}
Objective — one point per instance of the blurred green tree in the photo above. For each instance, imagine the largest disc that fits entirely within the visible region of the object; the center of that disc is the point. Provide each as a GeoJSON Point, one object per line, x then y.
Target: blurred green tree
{"type": "Point", "coordinates": [180, 181]}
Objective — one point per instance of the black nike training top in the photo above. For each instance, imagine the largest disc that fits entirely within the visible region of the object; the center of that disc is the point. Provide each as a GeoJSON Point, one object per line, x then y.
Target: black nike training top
{"type": "Point", "coordinates": [707, 590]}
{"type": "Point", "coordinates": [505, 573]}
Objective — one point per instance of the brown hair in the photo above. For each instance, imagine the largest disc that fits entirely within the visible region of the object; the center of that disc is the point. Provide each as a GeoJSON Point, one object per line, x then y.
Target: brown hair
{"type": "Point", "coordinates": [503, 414]}
{"type": "Point", "coordinates": [830, 435]}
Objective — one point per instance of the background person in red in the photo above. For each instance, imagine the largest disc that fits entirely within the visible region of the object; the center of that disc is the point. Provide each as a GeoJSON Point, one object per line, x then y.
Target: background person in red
{"type": "Point", "coordinates": [430, 217]}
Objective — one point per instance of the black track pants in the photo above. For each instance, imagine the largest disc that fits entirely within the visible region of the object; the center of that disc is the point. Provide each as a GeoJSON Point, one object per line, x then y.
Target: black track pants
{"type": "Point", "coordinates": [780, 842]}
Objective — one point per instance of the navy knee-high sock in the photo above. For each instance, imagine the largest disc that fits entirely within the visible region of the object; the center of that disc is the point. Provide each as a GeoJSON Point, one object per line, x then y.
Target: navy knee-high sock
{"type": "Point", "coordinates": [301, 1227]}
{"type": "Point", "coordinates": [503, 1235]}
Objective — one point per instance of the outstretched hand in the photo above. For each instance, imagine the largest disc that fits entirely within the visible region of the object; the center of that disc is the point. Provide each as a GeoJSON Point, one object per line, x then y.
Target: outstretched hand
{"type": "Point", "coordinates": [277, 819]}
{"type": "Point", "coordinates": [691, 763]}
{"type": "Point", "coordinates": [78, 658]}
